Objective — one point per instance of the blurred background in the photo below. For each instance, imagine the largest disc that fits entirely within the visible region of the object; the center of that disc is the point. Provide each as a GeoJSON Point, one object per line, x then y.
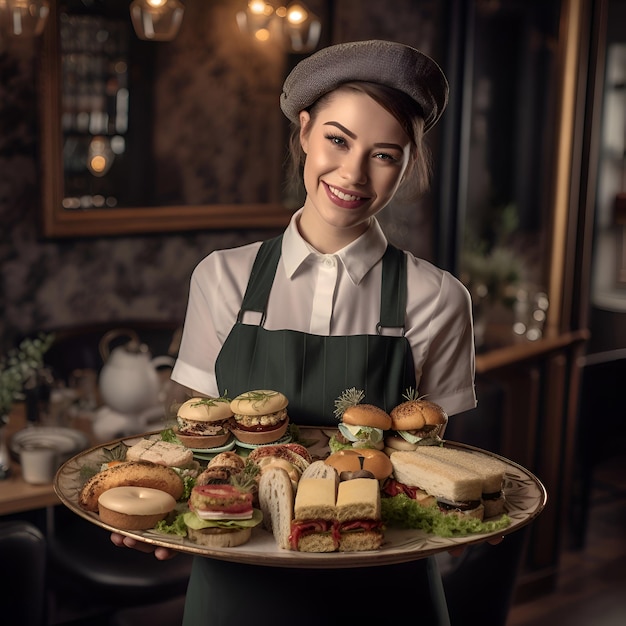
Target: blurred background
{"type": "Point", "coordinates": [137, 137]}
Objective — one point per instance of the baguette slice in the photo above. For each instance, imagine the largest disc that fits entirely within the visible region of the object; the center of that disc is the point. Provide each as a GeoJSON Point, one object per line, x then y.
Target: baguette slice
{"type": "Point", "coordinates": [358, 499]}
{"type": "Point", "coordinates": [276, 502]}
{"type": "Point", "coordinates": [160, 452]}
{"type": "Point", "coordinates": [320, 469]}
{"type": "Point", "coordinates": [438, 478]}
{"type": "Point", "coordinates": [315, 499]}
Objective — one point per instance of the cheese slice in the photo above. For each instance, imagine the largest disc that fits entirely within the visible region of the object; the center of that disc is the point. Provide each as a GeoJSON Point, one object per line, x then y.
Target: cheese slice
{"type": "Point", "coordinates": [315, 499]}
{"type": "Point", "coordinates": [358, 499]}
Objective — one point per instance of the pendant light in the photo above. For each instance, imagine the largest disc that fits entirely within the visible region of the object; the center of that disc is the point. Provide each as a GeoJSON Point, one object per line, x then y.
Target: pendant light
{"type": "Point", "coordinates": [156, 20]}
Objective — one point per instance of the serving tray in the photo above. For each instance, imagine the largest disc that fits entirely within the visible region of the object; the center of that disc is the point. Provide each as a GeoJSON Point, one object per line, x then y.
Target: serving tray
{"type": "Point", "coordinates": [525, 499]}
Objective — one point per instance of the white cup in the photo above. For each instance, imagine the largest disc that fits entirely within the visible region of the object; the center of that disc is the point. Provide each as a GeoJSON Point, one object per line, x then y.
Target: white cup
{"type": "Point", "coordinates": [39, 464]}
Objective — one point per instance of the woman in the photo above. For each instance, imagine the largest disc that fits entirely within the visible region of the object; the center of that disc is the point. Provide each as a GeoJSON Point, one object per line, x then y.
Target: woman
{"type": "Point", "coordinates": [328, 306]}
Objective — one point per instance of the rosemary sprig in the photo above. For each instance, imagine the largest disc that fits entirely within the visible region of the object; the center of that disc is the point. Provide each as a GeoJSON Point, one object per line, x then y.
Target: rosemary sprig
{"type": "Point", "coordinates": [246, 479]}
{"type": "Point", "coordinates": [257, 397]}
{"type": "Point", "coordinates": [349, 397]}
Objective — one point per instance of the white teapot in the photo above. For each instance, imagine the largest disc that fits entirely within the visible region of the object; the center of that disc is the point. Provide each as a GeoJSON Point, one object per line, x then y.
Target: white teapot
{"type": "Point", "coordinates": [129, 382]}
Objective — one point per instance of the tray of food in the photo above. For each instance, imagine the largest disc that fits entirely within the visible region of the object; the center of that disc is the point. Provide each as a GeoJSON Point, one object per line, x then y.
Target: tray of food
{"type": "Point", "coordinates": [297, 504]}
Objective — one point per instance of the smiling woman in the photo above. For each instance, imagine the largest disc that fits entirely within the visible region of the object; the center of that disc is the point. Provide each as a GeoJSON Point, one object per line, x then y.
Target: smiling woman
{"type": "Point", "coordinates": [136, 136]}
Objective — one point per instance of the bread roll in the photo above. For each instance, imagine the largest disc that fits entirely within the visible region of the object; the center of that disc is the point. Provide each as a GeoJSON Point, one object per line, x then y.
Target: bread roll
{"type": "Point", "coordinates": [131, 473]}
{"type": "Point", "coordinates": [276, 502]}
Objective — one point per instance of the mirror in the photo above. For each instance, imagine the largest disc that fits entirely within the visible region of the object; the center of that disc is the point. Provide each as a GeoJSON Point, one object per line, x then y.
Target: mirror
{"type": "Point", "coordinates": [142, 137]}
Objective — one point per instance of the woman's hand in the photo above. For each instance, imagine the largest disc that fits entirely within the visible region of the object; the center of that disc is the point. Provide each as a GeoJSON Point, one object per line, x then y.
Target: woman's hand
{"type": "Point", "coordinates": [162, 554]}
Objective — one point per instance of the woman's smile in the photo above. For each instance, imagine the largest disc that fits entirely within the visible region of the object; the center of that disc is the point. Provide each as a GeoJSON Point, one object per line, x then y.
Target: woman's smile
{"type": "Point", "coordinates": [344, 198]}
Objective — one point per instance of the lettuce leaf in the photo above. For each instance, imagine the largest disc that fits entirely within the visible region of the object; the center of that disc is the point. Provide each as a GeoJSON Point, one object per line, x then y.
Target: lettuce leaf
{"type": "Point", "coordinates": [195, 522]}
{"type": "Point", "coordinates": [404, 512]}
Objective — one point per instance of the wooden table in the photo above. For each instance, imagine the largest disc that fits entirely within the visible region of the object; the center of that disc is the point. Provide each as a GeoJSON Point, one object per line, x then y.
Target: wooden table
{"type": "Point", "coordinates": [16, 495]}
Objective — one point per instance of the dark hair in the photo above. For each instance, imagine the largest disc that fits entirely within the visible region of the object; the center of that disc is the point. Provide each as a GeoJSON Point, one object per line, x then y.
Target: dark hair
{"type": "Point", "coordinates": [408, 113]}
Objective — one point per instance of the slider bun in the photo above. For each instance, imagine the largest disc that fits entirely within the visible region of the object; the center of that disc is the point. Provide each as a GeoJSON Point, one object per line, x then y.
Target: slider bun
{"type": "Point", "coordinates": [227, 459]}
{"type": "Point", "coordinates": [416, 414]}
{"type": "Point", "coordinates": [205, 410]}
{"type": "Point", "coordinates": [134, 508]}
{"type": "Point", "coordinates": [202, 441]}
{"type": "Point", "coordinates": [395, 442]}
{"type": "Point", "coordinates": [262, 436]}
{"type": "Point", "coordinates": [352, 460]}
{"type": "Point", "coordinates": [219, 537]}
{"type": "Point", "coordinates": [259, 402]}
{"type": "Point", "coordinates": [367, 415]}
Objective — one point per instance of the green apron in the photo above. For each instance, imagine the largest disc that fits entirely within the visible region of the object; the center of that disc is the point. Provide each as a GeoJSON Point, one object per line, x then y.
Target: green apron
{"type": "Point", "coordinates": [312, 371]}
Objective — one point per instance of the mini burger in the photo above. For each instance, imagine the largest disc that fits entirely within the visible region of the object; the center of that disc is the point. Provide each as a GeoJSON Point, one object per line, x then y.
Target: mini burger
{"type": "Point", "coordinates": [260, 416]}
{"type": "Point", "coordinates": [360, 463]}
{"type": "Point", "coordinates": [220, 516]}
{"type": "Point", "coordinates": [415, 423]}
{"type": "Point", "coordinates": [204, 422]}
{"type": "Point", "coordinates": [361, 426]}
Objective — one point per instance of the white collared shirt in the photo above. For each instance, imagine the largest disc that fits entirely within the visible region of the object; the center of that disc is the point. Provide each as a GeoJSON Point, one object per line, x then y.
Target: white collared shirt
{"type": "Point", "coordinates": [333, 294]}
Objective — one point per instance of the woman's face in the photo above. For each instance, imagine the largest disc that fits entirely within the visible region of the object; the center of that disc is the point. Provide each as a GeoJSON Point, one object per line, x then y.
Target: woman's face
{"type": "Point", "coordinates": [356, 154]}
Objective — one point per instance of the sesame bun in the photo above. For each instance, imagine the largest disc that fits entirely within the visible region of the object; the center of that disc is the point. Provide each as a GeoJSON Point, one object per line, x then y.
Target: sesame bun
{"type": "Point", "coordinates": [355, 460]}
{"type": "Point", "coordinates": [367, 415]}
{"type": "Point", "coordinates": [417, 415]}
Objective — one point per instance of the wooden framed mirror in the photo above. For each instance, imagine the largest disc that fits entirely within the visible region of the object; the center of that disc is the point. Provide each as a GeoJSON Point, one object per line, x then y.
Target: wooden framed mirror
{"type": "Point", "coordinates": [193, 126]}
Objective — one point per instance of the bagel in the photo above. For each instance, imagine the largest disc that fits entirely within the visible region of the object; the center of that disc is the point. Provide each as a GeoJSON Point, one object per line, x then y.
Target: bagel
{"type": "Point", "coordinates": [130, 473]}
{"type": "Point", "coordinates": [134, 508]}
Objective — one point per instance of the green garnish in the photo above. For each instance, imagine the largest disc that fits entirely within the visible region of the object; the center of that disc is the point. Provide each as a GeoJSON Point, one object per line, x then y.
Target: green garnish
{"type": "Point", "coordinates": [210, 401]}
{"type": "Point", "coordinates": [246, 480]}
{"type": "Point", "coordinates": [404, 512]}
{"type": "Point", "coordinates": [257, 397]}
{"type": "Point", "coordinates": [349, 397]}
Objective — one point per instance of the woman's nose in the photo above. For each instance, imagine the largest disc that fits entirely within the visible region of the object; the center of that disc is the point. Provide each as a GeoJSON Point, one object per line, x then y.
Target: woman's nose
{"type": "Point", "coordinates": [354, 169]}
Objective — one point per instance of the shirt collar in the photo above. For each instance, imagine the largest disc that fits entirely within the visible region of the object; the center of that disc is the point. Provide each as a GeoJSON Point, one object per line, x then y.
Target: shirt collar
{"type": "Point", "coordinates": [358, 257]}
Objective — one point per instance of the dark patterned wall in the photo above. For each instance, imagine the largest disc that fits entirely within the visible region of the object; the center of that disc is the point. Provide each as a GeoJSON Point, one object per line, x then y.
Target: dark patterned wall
{"type": "Point", "coordinates": [60, 283]}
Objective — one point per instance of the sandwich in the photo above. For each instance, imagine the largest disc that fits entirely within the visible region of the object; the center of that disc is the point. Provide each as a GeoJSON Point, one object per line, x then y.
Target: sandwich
{"type": "Point", "coordinates": [204, 422]}
{"type": "Point", "coordinates": [221, 468]}
{"type": "Point", "coordinates": [313, 528]}
{"type": "Point", "coordinates": [357, 512]}
{"type": "Point", "coordinates": [175, 456]}
{"type": "Point", "coordinates": [452, 488]}
{"type": "Point", "coordinates": [491, 471]}
{"type": "Point", "coordinates": [276, 495]}
{"type": "Point", "coordinates": [220, 516]}
{"type": "Point", "coordinates": [260, 417]}
{"type": "Point", "coordinates": [291, 457]}
{"type": "Point", "coordinates": [361, 426]}
{"type": "Point", "coordinates": [414, 423]}
{"type": "Point", "coordinates": [328, 517]}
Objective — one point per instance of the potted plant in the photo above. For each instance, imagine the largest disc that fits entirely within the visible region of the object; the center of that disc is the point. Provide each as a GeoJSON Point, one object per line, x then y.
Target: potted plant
{"type": "Point", "coordinates": [16, 368]}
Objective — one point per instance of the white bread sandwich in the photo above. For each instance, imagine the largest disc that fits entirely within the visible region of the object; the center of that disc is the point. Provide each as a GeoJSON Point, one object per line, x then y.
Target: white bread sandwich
{"type": "Point", "coordinates": [358, 515]}
{"type": "Point", "coordinates": [260, 416]}
{"type": "Point", "coordinates": [456, 489]}
{"type": "Point", "coordinates": [491, 471]}
{"type": "Point", "coordinates": [160, 452]}
{"type": "Point", "coordinates": [313, 528]}
{"type": "Point", "coordinates": [204, 422]}
{"type": "Point", "coordinates": [415, 423]}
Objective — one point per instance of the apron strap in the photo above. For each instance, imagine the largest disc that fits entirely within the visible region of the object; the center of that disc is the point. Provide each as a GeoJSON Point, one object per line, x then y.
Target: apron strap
{"type": "Point", "coordinates": [393, 287]}
{"type": "Point", "coordinates": [393, 293]}
{"type": "Point", "coordinates": [261, 278]}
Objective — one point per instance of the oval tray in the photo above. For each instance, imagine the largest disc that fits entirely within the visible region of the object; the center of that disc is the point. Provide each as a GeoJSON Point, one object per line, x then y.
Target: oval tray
{"type": "Point", "coordinates": [525, 499]}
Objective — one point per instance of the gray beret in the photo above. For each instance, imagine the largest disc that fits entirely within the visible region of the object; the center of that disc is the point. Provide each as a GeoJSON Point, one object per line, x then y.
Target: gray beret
{"type": "Point", "coordinates": [375, 61]}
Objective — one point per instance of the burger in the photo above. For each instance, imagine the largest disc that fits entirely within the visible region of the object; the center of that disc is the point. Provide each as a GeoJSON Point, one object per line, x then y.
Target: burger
{"type": "Point", "coordinates": [260, 416]}
{"type": "Point", "coordinates": [294, 458]}
{"type": "Point", "coordinates": [415, 423]}
{"type": "Point", "coordinates": [220, 516]}
{"type": "Point", "coordinates": [361, 426]}
{"type": "Point", "coordinates": [204, 422]}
